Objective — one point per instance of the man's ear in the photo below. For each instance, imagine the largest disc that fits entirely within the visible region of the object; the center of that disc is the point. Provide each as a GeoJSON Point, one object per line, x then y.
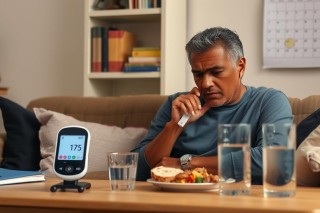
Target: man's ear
{"type": "Point", "coordinates": [242, 66]}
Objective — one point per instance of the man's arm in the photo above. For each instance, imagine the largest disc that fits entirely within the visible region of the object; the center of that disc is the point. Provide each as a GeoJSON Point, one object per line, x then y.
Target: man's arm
{"type": "Point", "coordinates": [161, 146]}
{"type": "Point", "coordinates": [210, 163]}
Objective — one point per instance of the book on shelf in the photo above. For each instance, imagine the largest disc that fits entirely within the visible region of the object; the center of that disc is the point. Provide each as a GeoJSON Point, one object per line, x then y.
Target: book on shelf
{"type": "Point", "coordinates": [125, 4]}
{"type": "Point", "coordinates": [120, 46]}
{"type": "Point", "coordinates": [145, 52]}
{"type": "Point", "coordinates": [144, 59]}
{"type": "Point", "coordinates": [145, 48]}
{"type": "Point", "coordinates": [9, 176]}
{"type": "Point", "coordinates": [141, 67]}
{"type": "Point", "coordinates": [142, 4]}
{"type": "Point", "coordinates": [104, 49]}
{"type": "Point", "coordinates": [98, 51]}
{"type": "Point", "coordinates": [95, 57]}
{"type": "Point", "coordinates": [155, 64]}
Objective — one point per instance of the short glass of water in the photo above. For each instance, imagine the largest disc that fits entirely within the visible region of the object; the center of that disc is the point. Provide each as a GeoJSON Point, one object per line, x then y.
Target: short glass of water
{"type": "Point", "coordinates": [234, 141]}
{"type": "Point", "coordinates": [122, 170]}
{"type": "Point", "coordinates": [279, 171]}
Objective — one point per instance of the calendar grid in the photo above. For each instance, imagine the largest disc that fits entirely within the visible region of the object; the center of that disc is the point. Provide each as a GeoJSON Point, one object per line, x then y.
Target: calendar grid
{"type": "Point", "coordinates": [291, 33]}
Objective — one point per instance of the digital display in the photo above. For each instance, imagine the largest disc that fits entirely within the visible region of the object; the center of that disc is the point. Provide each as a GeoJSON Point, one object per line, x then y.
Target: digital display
{"type": "Point", "coordinates": [71, 147]}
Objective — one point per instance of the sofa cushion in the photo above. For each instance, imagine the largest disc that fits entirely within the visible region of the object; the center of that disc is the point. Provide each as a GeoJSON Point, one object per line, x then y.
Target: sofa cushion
{"type": "Point", "coordinates": [22, 146]}
{"type": "Point", "coordinates": [308, 160]}
{"type": "Point", "coordinates": [103, 139]}
{"type": "Point", "coordinates": [307, 125]}
{"type": "Point", "coordinates": [301, 108]}
{"type": "Point", "coordinates": [121, 111]}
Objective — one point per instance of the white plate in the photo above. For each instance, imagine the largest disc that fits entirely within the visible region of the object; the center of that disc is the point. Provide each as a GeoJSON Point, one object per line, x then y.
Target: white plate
{"type": "Point", "coordinates": [184, 186]}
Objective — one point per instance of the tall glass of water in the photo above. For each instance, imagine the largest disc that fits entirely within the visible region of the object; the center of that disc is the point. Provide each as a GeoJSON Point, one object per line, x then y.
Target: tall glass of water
{"type": "Point", "coordinates": [234, 159]}
{"type": "Point", "coordinates": [122, 170]}
{"type": "Point", "coordinates": [279, 171]}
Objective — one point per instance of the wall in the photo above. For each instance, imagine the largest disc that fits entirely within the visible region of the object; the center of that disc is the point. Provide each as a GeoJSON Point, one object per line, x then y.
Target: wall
{"type": "Point", "coordinates": [41, 48]}
{"type": "Point", "coordinates": [246, 18]}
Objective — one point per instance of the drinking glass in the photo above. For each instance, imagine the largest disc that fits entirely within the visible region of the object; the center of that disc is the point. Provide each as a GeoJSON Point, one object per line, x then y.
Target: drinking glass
{"type": "Point", "coordinates": [234, 142]}
{"type": "Point", "coordinates": [122, 170]}
{"type": "Point", "coordinates": [279, 172]}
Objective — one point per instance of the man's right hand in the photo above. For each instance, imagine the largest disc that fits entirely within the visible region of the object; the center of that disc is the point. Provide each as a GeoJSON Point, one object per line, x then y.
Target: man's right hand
{"type": "Point", "coordinates": [188, 104]}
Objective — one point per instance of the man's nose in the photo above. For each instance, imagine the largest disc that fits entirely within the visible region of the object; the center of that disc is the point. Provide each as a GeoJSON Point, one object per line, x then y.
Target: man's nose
{"type": "Point", "coordinates": [207, 81]}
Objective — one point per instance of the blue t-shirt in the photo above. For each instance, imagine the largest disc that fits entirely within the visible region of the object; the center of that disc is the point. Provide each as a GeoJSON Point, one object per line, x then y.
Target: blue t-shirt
{"type": "Point", "coordinates": [257, 106]}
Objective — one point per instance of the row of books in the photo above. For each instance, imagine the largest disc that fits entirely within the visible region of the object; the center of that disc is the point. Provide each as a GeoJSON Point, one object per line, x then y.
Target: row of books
{"type": "Point", "coordinates": [110, 48]}
{"type": "Point", "coordinates": [125, 4]}
{"type": "Point", "coordinates": [143, 59]}
{"type": "Point", "coordinates": [114, 50]}
{"type": "Point", "coordinates": [141, 4]}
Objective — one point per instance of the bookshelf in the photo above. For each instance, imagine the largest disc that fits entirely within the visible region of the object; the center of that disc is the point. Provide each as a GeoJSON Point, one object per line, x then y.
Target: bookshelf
{"type": "Point", "coordinates": [164, 27]}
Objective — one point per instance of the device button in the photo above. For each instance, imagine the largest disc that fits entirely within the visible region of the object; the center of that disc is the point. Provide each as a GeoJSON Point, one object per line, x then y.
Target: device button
{"type": "Point", "coordinates": [78, 168]}
{"type": "Point", "coordinates": [69, 169]}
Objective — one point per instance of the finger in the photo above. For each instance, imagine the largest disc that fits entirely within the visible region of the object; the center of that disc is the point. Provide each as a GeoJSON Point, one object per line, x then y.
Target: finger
{"type": "Point", "coordinates": [184, 109]}
{"type": "Point", "coordinates": [192, 103]}
{"type": "Point", "coordinates": [195, 91]}
{"type": "Point", "coordinates": [195, 102]}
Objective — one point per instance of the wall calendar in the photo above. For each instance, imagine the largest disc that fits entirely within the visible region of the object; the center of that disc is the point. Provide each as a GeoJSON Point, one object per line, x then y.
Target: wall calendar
{"type": "Point", "coordinates": [291, 33]}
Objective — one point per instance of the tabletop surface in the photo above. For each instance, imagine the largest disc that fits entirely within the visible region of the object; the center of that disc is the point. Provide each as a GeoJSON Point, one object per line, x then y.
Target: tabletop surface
{"type": "Point", "coordinates": [148, 198]}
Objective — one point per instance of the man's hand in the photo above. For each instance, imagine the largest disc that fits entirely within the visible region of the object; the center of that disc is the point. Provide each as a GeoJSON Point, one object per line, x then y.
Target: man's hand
{"type": "Point", "coordinates": [188, 104]}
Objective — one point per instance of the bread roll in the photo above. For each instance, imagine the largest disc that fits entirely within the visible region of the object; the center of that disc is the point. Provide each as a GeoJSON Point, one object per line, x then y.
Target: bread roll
{"type": "Point", "coordinates": [164, 174]}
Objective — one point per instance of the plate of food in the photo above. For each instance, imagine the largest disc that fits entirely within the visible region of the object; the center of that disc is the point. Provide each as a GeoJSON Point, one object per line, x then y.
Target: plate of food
{"type": "Point", "coordinates": [172, 179]}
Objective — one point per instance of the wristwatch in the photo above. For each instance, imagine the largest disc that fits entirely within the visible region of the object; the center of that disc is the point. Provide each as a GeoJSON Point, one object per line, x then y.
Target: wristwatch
{"type": "Point", "coordinates": [184, 161]}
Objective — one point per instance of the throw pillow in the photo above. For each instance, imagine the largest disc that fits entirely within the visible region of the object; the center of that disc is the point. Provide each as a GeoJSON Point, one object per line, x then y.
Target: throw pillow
{"type": "Point", "coordinates": [22, 146]}
{"type": "Point", "coordinates": [308, 160]}
{"type": "Point", "coordinates": [307, 125]}
{"type": "Point", "coordinates": [103, 139]}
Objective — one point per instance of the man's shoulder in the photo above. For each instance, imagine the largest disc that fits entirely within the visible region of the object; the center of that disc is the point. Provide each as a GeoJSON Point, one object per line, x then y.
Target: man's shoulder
{"type": "Point", "coordinates": [264, 92]}
{"type": "Point", "coordinates": [262, 89]}
{"type": "Point", "coordinates": [175, 95]}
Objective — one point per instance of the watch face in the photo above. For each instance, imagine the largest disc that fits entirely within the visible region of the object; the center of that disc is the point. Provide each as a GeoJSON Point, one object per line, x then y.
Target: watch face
{"type": "Point", "coordinates": [185, 157]}
{"type": "Point", "coordinates": [184, 160]}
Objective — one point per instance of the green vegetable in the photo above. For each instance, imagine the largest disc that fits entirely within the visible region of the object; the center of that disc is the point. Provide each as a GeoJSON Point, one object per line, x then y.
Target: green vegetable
{"type": "Point", "coordinates": [199, 179]}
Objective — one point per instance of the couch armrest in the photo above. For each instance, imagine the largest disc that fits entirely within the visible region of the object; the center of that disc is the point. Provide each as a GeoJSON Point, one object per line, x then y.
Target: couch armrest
{"type": "Point", "coordinates": [2, 142]}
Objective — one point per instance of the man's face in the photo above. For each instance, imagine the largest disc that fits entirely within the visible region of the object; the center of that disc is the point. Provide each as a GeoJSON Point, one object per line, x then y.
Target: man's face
{"type": "Point", "coordinates": [218, 80]}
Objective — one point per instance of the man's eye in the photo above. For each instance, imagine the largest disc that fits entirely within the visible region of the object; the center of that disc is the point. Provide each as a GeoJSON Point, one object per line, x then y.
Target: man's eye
{"type": "Point", "coordinates": [215, 73]}
{"type": "Point", "coordinates": [197, 74]}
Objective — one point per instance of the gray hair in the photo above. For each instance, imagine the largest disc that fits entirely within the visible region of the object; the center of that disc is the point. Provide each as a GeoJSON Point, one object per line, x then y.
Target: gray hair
{"type": "Point", "coordinates": [213, 37]}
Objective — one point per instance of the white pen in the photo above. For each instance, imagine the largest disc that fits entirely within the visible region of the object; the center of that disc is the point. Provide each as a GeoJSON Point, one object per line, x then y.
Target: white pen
{"type": "Point", "coordinates": [183, 120]}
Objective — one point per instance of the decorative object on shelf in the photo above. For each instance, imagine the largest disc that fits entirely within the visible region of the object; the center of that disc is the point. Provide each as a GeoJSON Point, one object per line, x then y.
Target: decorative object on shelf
{"type": "Point", "coordinates": [110, 4]}
{"type": "Point", "coordinates": [98, 5]}
{"type": "Point", "coordinates": [116, 4]}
